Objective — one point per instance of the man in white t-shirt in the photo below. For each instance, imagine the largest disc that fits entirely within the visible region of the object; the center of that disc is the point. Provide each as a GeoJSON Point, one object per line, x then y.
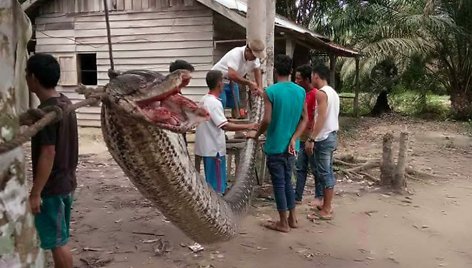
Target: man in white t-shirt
{"type": "Point", "coordinates": [210, 142]}
{"type": "Point", "coordinates": [234, 65]}
{"type": "Point", "coordinates": [323, 140]}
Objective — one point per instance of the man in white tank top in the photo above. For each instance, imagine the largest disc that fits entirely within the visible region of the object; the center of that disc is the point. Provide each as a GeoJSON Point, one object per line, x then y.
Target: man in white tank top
{"type": "Point", "coordinates": [323, 140]}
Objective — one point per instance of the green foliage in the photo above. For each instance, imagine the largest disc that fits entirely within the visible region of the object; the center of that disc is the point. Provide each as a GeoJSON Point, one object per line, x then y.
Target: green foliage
{"type": "Point", "coordinates": [428, 41]}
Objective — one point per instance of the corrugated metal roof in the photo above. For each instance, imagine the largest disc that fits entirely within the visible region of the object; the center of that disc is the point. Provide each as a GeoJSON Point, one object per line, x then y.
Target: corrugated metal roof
{"type": "Point", "coordinates": [240, 6]}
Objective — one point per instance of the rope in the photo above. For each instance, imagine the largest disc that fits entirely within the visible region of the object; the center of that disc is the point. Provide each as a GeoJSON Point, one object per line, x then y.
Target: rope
{"type": "Point", "coordinates": [47, 116]}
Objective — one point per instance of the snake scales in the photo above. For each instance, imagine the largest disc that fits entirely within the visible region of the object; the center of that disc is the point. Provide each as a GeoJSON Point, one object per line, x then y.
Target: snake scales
{"type": "Point", "coordinates": [154, 156]}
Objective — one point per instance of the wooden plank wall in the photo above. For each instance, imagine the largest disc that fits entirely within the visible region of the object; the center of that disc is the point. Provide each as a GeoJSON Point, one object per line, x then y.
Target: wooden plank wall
{"type": "Point", "coordinates": [78, 6]}
{"type": "Point", "coordinates": [148, 39]}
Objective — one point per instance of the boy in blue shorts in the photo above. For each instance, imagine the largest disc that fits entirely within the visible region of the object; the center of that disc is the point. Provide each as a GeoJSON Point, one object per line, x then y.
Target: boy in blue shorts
{"type": "Point", "coordinates": [54, 154]}
{"type": "Point", "coordinates": [210, 142]}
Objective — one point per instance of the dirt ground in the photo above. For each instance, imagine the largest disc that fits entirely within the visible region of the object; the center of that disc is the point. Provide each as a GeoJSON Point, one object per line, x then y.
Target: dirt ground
{"type": "Point", "coordinates": [114, 226]}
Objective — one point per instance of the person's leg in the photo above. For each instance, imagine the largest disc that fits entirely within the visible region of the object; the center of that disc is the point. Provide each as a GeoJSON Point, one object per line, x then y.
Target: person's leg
{"type": "Point", "coordinates": [53, 228]}
{"type": "Point", "coordinates": [236, 103]}
{"type": "Point", "coordinates": [319, 189]}
{"type": "Point", "coordinates": [289, 194]}
{"type": "Point", "coordinates": [223, 96]}
{"type": "Point", "coordinates": [221, 173]}
{"type": "Point", "coordinates": [229, 96]}
{"type": "Point", "coordinates": [62, 257]}
{"type": "Point", "coordinates": [275, 165]}
{"type": "Point", "coordinates": [209, 166]}
{"type": "Point", "coordinates": [301, 173]}
{"type": "Point", "coordinates": [324, 159]}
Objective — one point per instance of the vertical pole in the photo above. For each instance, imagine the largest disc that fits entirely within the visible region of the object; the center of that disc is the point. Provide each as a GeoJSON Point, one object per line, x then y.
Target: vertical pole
{"type": "Point", "coordinates": [332, 67]}
{"type": "Point", "coordinates": [356, 89]}
{"type": "Point", "coordinates": [270, 41]}
{"type": "Point", "coordinates": [110, 50]}
{"type": "Point", "coordinates": [256, 27]}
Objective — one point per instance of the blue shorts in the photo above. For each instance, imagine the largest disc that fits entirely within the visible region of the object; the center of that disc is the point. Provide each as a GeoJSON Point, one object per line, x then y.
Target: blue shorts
{"type": "Point", "coordinates": [227, 97]}
{"type": "Point", "coordinates": [52, 223]}
{"type": "Point", "coordinates": [215, 172]}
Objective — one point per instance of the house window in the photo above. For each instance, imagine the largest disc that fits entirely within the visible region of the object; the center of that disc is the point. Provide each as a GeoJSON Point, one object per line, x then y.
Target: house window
{"type": "Point", "coordinates": [87, 68]}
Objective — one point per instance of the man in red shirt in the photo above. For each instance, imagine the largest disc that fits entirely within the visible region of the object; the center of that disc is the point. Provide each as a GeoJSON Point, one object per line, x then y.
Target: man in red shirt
{"type": "Point", "coordinates": [303, 78]}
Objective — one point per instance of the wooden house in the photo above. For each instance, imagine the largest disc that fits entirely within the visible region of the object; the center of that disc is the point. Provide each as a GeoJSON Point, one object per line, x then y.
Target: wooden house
{"type": "Point", "coordinates": [149, 34]}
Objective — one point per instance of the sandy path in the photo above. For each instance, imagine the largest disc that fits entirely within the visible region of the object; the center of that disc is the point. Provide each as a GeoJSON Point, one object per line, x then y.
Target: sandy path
{"type": "Point", "coordinates": [430, 228]}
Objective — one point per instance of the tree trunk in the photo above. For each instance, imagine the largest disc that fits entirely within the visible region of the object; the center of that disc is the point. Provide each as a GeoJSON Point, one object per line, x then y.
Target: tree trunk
{"type": "Point", "coordinates": [381, 105]}
{"type": "Point", "coordinates": [461, 102]}
{"type": "Point", "coordinates": [387, 166]}
{"type": "Point", "coordinates": [18, 240]}
{"type": "Point", "coordinates": [399, 181]}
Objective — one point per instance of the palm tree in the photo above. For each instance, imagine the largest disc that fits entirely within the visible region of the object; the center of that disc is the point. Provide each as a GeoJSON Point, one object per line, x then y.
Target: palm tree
{"type": "Point", "coordinates": [400, 31]}
{"type": "Point", "coordinates": [452, 47]}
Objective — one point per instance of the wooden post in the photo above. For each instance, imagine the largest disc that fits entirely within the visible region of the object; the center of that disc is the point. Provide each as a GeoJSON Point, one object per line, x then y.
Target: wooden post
{"type": "Point", "coordinates": [356, 89]}
{"type": "Point", "coordinates": [399, 181]}
{"type": "Point", "coordinates": [289, 46]}
{"type": "Point", "coordinates": [387, 166]}
{"type": "Point", "coordinates": [19, 245]}
{"type": "Point", "coordinates": [107, 21]}
{"type": "Point", "coordinates": [290, 49]}
{"type": "Point", "coordinates": [332, 68]}
{"type": "Point", "coordinates": [270, 41]}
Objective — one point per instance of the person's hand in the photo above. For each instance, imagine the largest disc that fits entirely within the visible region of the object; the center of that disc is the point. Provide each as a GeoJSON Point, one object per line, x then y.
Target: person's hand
{"type": "Point", "coordinates": [252, 85]}
{"type": "Point", "coordinates": [251, 135]}
{"type": "Point", "coordinates": [291, 147]}
{"type": "Point", "coordinates": [258, 92]}
{"type": "Point", "coordinates": [35, 203]}
{"type": "Point", "coordinates": [253, 126]}
{"type": "Point", "coordinates": [309, 147]}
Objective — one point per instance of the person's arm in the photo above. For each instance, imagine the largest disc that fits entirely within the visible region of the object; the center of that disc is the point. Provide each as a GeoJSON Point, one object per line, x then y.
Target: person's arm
{"type": "Point", "coordinates": [266, 119]}
{"type": "Point", "coordinates": [42, 172]}
{"type": "Point", "coordinates": [258, 78]}
{"type": "Point", "coordinates": [298, 132]}
{"type": "Point", "coordinates": [322, 104]}
{"type": "Point", "coordinates": [235, 77]}
{"type": "Point", "coordinates": [239, 127]}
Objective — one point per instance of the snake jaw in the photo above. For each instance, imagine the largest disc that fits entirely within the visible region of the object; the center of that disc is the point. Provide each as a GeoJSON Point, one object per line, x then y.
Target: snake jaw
{"type": "Point", "coordinates": [155, 99]}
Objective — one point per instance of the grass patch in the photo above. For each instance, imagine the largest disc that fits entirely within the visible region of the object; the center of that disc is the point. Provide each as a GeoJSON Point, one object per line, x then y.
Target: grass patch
{"type": "Point", "coordinates": [436, 107]}
{"type": "Point", "coordinates": [408, 103]}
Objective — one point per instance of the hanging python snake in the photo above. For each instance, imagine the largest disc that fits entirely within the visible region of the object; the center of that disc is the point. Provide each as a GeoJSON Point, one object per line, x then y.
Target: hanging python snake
{"type": "Point", "coordinates": [143, 116]}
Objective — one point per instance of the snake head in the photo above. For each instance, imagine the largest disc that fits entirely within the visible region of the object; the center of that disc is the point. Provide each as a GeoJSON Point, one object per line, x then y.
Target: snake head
{"type": "Point", "coordinates": [155, 99]}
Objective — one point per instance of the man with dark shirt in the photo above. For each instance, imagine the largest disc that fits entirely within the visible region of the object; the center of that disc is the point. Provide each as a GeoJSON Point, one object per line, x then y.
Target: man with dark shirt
{"type": "Point", "coordinates": [54, 153]}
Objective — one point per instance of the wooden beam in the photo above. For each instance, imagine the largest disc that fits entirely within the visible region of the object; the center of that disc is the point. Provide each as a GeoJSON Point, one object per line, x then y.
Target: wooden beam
{"type": "Point", "coordinates": [332, 68]}
{"type": "Point", "coordinates": [356, 89]}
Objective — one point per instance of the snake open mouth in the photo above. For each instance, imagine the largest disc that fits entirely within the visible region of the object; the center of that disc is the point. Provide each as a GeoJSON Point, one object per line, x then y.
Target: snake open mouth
{"type": "Point", "coordinates": [156, 98]}
{"type": "Point", "coordinates": [172, 112]}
